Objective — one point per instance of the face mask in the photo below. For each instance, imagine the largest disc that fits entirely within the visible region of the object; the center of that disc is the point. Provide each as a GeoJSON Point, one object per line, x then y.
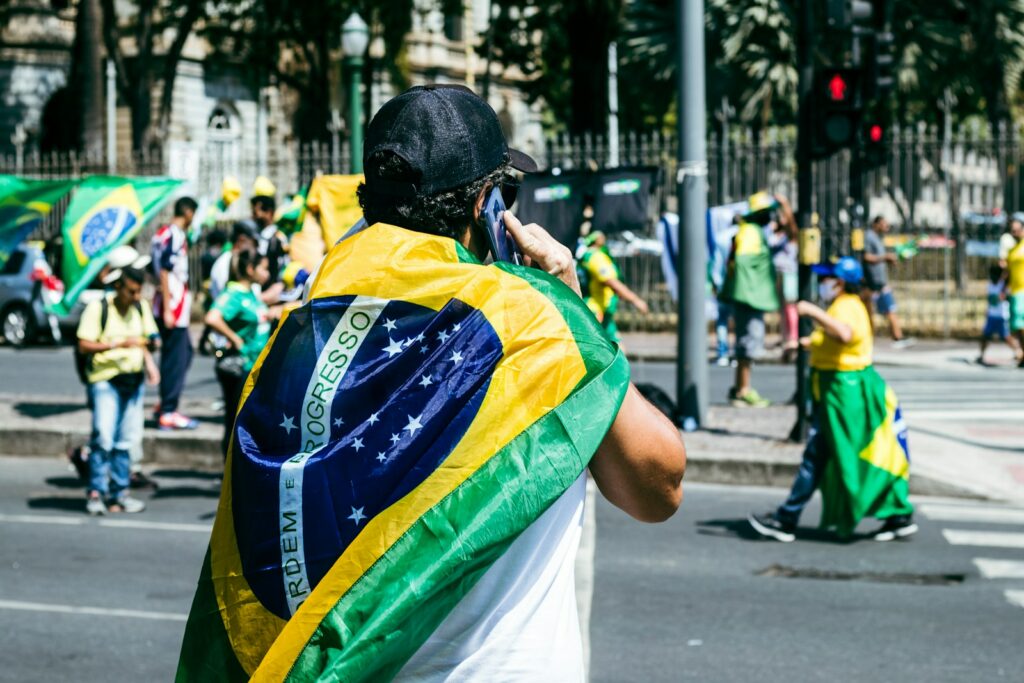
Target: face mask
{"type": "Point", "coordinates": [828, 291]}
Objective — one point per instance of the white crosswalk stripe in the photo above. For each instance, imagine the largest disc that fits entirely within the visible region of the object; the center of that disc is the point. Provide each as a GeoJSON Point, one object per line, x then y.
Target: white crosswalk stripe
{"type": "Point", "coordinates": [972, 513]}
{"type": "Point", "coordinates": [991, 539]}
{"type": "Point", "coordinates": [989, 568]}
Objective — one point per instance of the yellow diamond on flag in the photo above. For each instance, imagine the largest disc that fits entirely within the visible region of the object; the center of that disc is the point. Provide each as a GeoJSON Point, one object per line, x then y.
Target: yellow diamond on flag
{"type": "Point", "coordinates": [106, 223]}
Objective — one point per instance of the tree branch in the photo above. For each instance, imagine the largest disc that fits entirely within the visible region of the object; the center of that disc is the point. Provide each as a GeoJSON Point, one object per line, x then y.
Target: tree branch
{"type": "Point", "coordinates": [192, 13]}
{"type": "Point", "coordinates": [110, 40]}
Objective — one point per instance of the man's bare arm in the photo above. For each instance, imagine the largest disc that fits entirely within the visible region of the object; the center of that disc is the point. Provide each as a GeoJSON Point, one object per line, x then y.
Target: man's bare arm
{"type": "Point", "coordinates": [627, 294]}
{"type": "Point", "coordinates": [640, 463]}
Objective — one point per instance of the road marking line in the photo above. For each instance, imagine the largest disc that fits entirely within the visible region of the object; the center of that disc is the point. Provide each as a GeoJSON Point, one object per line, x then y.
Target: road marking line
{"type": "Point", "coordinates": [976, 513]}
{"type": "Point", "coordinates": [995, 539]}
{"type": "Point", "coordinates": [64, 520]}
{"type": "Point", "coordinates": [999, 569]}
{"type": "Point", "coordinates": [98, 611]}
{"type": "Point", "coordinates": [1015, 598]}
{"type": "Point", "coordinates": [156, 526]}
{"type": "Point", "coordinates": [43, 519]}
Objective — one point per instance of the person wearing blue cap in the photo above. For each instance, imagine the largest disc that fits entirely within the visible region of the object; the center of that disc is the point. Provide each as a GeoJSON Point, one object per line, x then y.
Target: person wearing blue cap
{"type": "Point", "coordinates": [857, 452]}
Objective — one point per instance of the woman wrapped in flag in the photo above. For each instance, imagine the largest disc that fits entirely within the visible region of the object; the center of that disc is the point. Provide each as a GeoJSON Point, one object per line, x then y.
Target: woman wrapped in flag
{"type": "Point", "coordinates": [404, 486]}
{"type": "Point", "coordinates": [857, 451]}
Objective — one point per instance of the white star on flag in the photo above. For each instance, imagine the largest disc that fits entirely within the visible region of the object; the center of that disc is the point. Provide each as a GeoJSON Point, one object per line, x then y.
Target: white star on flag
{"type": "Point", "coordinates": [373, 419]}
{"type": "Point", "coordinates": [357, 444]}
{"type": "Point", "coordinates": [393, 348]}
{"type": "Point", "coordinates": [456, 357]}
{"type": "Point", "coordinates": [424, 349]}
{"type": "Point", "coordinates": [288, 423]}
{"type": "Point", "coordinates": [357, 515]}
{"type": "Point", "coordinates": [395, 438]}
{"type": "Point", "coordinates": [390, 325]}
{"type": "Point", "coordinates": [426, 381]}
{"type": "Point", "coordinates": [443, 336]}
{"type": "Point", "coordinates": [338, 422]}
{"type": "Point", "coordinates": [414, 424]}
{"type": "Point", "coordinates": [419, 337]}
{"type": "Point", "coordinates": [381, 457]}
{"type": "Point", "coordinates": [456, 327]}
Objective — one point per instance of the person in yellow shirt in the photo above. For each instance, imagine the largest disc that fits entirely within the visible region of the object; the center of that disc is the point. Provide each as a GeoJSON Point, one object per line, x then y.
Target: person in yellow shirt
{"type": "Point", "coordinates": [857, 452]}
{"type": "Point", "coordinates": [1013, 261]}
{"type": "Point", "coordinates": [604, 288]}
{"type": "Point", "coordinates": [114, 334]}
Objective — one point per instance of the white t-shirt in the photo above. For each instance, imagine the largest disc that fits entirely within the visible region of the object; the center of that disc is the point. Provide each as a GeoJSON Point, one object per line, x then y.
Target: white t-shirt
{"type": "Point", "coordinates": [220, 273]}
{"type": "Point", "coordinates": [519, 622]}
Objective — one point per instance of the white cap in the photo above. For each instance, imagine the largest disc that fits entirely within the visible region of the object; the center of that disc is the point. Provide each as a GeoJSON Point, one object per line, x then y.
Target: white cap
{"type": "Point", "coordinates": [121, 257]}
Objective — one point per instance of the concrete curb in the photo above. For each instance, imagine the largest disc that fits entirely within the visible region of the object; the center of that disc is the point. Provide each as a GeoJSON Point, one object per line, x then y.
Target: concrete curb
{"type": "Point", "coordinates": [202, 452]}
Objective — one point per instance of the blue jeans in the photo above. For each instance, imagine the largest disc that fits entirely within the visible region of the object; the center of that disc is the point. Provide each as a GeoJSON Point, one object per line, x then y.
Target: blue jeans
{"type": "Point", "coordinates": [722, 328]}
{"type": "Point", "coordinates": [807, 479]}
{"type": "Point", "coordinates": [116, 425]}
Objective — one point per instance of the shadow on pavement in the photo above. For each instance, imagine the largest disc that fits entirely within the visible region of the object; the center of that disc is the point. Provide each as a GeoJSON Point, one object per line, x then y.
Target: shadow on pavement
{"type": "Point", "coordinates": [68, 482]}
{"type": "Point", "coordinates": [185, 474]}
{"type": "Point", "coordinates": [62, 503]}
{"type": "Point", "coordinates": [186, 492]}
{"type": "Point", "coordinates": [29, 409]}
{"type": "Point", "coordinates": [740, 528]}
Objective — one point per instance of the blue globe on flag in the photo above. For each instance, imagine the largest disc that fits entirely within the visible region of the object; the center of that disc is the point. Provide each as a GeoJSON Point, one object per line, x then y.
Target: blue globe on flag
{"type": "Point", "coordinates": [105, 228]}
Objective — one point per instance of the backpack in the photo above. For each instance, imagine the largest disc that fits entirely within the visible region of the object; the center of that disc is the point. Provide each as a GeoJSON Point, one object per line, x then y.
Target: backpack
{"type": "Point", "coordinates": [83, 361]}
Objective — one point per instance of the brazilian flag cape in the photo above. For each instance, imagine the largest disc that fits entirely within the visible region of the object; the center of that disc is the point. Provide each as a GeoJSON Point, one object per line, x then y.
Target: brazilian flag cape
{"type": "Point", "coordinates": [24, 204]}
{"type": "Point", "coordinates": [750, 274]}
{"type": "Point", "coordinates": [861, 425]}
{"type": "Point", "coordinates": [396, 435]}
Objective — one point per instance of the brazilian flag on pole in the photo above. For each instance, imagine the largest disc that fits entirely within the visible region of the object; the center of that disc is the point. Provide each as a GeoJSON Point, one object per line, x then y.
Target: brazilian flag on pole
{"type": "Point", "coordinates": [399, 431]}
{"type": "Point", "coordinates": [105, 212]}
{"type": "Point", "coordinates": [862, 426]}
{"type": "Point", "coordinates": [23, 205]}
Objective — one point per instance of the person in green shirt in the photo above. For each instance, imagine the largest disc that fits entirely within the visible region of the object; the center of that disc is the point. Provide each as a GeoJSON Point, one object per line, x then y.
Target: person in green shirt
{"type": "Point", "coordinates": [240, 315]}
{"type": "Point", "coordinates": [750, 288]}
{"type": "Point", "coordinates": [604, 286]}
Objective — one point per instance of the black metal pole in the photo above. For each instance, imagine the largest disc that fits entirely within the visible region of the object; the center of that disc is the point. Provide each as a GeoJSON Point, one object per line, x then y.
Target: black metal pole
{"type": "Point", "coordinates": [691, 188]}
{"type": "Point", "coordinates": [805, 169]}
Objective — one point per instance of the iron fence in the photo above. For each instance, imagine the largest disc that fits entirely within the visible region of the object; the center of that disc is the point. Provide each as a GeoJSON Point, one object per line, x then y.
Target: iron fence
{"type": "Point", "coordinates": [949, 191]}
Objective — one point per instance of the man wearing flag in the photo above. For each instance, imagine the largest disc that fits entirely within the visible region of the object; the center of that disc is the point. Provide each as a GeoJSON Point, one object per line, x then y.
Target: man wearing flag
{"type": "Point", "coordinates": [857, 452]}
{"type": "Point", "coordinates": [404, 489]}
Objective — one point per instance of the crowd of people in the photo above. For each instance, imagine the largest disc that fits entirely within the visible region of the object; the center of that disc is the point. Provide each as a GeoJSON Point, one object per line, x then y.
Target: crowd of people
{"type": "Point", "coordinates": [121, 334]}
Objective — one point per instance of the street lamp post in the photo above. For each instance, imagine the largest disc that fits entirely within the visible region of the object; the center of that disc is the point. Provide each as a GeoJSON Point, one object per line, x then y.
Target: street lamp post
{"type": "Point", "coordinates": [355, 36]}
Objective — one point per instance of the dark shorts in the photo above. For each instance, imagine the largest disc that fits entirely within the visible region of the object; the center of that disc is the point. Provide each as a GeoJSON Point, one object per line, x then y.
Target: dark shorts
{"type": "Point", "coordinates": [885, 302]}
{"type": "Point", "coordinates": [749, 332]}
{"type": "Point", "coordinates": [996, 326]}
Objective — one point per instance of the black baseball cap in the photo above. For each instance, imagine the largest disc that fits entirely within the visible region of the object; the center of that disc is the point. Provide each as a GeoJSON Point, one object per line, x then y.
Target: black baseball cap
{"type": "Point", "coordinates": [448, 135]}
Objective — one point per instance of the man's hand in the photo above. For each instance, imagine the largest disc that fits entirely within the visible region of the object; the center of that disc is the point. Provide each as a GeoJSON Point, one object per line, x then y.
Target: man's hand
{"type": "Point", "coordinates": [543, 251]}
{"type": "Point", "coordinates": [168, 316]}
{"type": "Point", "coordinates": [891, 258]}
{"type": "Point", "coordinates": [642, 306]}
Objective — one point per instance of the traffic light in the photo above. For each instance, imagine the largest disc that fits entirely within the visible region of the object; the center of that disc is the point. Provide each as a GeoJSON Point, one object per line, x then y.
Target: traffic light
{"type": "Point", "coordinates": [874, 141]}
{"type": "Point", "coordinates": [842, 14]}
{"type": "Point", "coordinates": [881, 63]}
{"type": "Point", "coordinates": [838, 107]}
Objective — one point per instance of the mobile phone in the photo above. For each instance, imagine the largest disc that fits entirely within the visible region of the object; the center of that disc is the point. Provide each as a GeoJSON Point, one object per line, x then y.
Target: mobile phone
{"type": "Point", "coordinates": [503, 247]}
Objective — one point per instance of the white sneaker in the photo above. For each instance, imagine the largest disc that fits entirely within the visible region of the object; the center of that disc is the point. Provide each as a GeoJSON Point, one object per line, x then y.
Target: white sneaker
{"type": "Point", "coordinates": [94, 506]}
{"type": "Point", "coordinates": [722, 362]}
{"type": "Point", "coordinates": [130, 505]}
{"type": "Point", "coordinates": [904, 343]}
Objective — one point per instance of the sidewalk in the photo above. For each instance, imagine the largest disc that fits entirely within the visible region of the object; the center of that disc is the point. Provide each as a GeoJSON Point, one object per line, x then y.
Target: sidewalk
{"type": "Point", "coordinates": [931, 353]}
{"type": "Point", "coordinates": [739, 446]}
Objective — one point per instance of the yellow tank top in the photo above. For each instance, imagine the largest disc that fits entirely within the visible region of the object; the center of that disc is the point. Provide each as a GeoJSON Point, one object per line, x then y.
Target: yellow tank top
{"type": "Point", "coordinates": [1015, 264]}
{"type": "Point", "coordinates": [828, 353]}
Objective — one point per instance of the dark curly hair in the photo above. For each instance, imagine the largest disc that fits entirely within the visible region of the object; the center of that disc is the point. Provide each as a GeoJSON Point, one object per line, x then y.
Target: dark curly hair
{"type": "Point", "coordinates": [446, 213]}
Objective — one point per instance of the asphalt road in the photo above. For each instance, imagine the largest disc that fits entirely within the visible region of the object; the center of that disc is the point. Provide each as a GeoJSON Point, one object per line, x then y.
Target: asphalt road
{"type": "Point", "coordinates": [695, 598]}
{"type": "Point", "coordinates": [49, 371]}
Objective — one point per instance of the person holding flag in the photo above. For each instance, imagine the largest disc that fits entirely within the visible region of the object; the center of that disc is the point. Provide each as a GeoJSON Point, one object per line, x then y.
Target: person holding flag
{"type": "Point", "coordinates": [857, 452]}
{"type": "Point", "coordinates": [750, 288]}
{"type": "Point", "coordinates": [405, 483]}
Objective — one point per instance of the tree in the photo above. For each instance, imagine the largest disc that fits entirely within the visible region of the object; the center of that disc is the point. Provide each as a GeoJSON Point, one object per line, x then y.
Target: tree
{"type": "Point", "coordinates": [562, 47]}
{"type": "Point", "coordinates": [144, 66]}
{"type": "Point", "coordinates": [85, 83]}
{"type": "Point", "coordinates": [297, 44]}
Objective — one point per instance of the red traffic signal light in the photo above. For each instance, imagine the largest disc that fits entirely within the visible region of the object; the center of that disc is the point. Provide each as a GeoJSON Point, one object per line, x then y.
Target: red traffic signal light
{"type": "Point", "coordinates": [838, 88]}
{"type": "Point", "coordinates": [875, 133]}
